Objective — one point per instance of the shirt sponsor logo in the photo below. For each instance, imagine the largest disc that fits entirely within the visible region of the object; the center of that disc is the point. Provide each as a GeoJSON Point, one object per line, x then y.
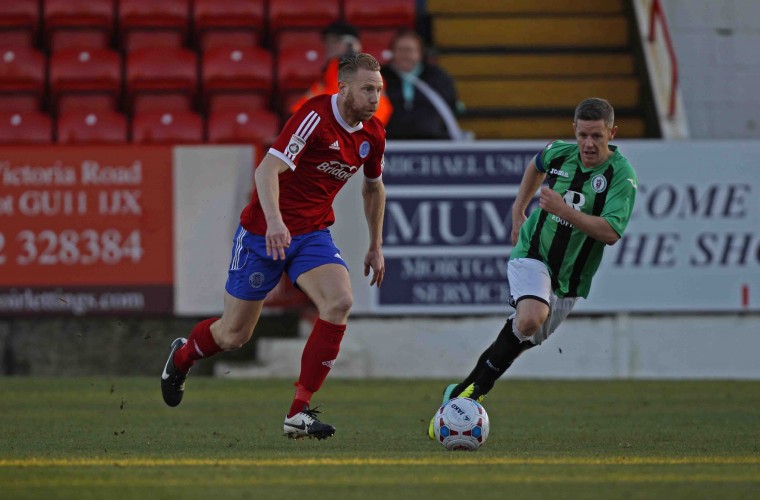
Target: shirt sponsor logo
{"type": "Point", "coordinates": [364, 149]}
{"type": "Point", "coordinates": [560, 173]}
{"type": "Point", "coordinates": [576, 199]}
{"type": "Point", "coordinates": [339, 170]}
{"type": "Point", "coordinates": [561, 221]}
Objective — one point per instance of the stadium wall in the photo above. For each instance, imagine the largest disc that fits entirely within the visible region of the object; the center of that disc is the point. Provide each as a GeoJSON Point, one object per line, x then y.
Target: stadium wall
{"type": "Point", "coordinates": [716, 46]}
{"type": "Point", "coordinates": [81, 294]}
{"type": "Point", "coordinates": [612, 346]}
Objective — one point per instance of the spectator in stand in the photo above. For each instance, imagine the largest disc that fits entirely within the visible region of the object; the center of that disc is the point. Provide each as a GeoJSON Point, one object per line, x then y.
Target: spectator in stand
{"type": "Point", "coordinates": [339, 39]}
{"type": "Point", "coordinates": [423, 95]}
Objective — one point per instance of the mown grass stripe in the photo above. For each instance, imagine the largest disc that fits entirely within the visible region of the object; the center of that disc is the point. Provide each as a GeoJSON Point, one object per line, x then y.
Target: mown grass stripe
{"type": "Point", "coordinates": [443, 460]}
{"type": "Point", "coordinates": [542, 478]}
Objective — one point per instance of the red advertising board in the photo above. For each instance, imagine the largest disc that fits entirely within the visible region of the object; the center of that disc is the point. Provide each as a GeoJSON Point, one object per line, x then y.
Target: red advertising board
{"type": "Point", "coordinates": [86, 230]}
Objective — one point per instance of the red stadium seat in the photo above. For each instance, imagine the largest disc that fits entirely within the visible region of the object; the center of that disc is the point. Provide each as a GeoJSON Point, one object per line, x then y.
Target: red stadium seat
{"type": "Point", "coordinates": [243, 18]}
{"type": "Point", "coordinates": [298, 49]}
{"type": "Point", "coordinates": [378, 43]}
{"type": "Point", "coordinates": [78, 14]}
{"type": "Point", "coordinates": [162, 71]}
{"type": "Point", "coordinates": [139, 39]}
{"type": "Point", "coordinates": [78, 39]}
{"type": "Point", "coordinates": [300, 38]}
{"type": "Point", "coordinates": [19, 14]}
{"type": "Point", "coordinates": [17, 38]}
{"type": "Point", "coordinates": [167, 127]}
{"type": "Point", "coordinates": [249, 101]}
{"type": "Point", "coordinates": [66, 15]}
{"type": "Point", "coordinates": [212, 39]}
{"type": "Point", "coordinates": [288, 14]}
{"type": "Point", "coordinates": [136, 15]}
{"type": "Point", "coordinates": [299, 66]}
{"type": "Point", "coordinates": [19, 102]}
{"type": "Point", "coordinates": [85, 101]}
{"type": "Point", "coordinates": [166, 101]}
{"type": "Point", "coordinates": [380, 14]}
{"type": "Point", "coordinates": [19, 22]}
{"type": "Point", "coordinates": [22, 78]}
{"type": "Point", "coordinates": [92, 127]}
{"type": "Point", "coordinates": [236, 126]}
{"type": "Point", "coordinates": [96, 73]}
{"type": "Point", "coordinates": [235, 69]}
{"type": "Point", "coordinates": [25, 127]}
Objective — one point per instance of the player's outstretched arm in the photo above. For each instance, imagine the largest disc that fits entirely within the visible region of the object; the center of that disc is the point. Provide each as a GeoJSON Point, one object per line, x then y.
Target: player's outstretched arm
{"type": "Point", "coordinates": [268, 189]}
{"type": "Point", "coordinates": [532, 179]}
{"type": "Point", "coordinates": [374, 210]}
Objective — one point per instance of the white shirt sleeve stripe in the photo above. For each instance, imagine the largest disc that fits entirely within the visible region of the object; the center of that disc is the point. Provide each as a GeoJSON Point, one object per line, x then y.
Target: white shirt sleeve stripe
{"type": "Point", "coordinates": [311, 128]}
{"type": "Point", "coordinates": [305, 120]}
{"type": "Point", "coordinates": [305, 123]}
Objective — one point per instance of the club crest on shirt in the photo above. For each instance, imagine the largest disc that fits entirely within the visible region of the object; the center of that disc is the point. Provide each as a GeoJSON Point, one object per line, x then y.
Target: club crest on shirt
{"type": "Point", "coordinates": [599, 183]}
{"type": "Point", "coordinates": [364, 149]}
{"type": "Point", "coordinates": [295, 145]}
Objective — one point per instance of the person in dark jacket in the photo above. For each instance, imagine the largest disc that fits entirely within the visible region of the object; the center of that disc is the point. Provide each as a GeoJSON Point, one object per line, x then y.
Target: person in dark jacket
{"type": "Point", "coordinates": [412, 86]}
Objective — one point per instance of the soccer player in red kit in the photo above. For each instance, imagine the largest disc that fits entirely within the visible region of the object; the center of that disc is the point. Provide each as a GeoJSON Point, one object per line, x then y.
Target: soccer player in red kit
{"type": "Point", "coordinates": [285, 229]}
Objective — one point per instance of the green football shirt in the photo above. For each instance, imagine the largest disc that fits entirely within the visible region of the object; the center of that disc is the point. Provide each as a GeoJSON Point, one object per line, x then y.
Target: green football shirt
{"type": "Point", "coordinates": [607, 190]}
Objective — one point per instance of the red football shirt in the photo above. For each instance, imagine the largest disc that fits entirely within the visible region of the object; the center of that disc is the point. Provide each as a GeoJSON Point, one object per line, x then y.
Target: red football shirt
{"type": "Point", "coordinates": [323, 152]}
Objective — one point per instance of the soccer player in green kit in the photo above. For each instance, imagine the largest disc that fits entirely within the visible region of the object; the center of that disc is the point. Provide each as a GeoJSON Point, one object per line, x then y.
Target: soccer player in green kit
{"type": "Point", "coordinates": [585, 206]}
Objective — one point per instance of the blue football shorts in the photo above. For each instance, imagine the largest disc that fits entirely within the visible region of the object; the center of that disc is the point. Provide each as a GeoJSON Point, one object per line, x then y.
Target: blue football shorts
{"type": "Point", "coordinates": [253, 273]}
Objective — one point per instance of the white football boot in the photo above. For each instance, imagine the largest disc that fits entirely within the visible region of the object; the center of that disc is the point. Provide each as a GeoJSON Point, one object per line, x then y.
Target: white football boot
{"type": "Point", "coordinates": [306, 424]}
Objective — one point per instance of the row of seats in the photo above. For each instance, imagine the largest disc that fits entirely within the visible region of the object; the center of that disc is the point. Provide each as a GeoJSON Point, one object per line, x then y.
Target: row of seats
{"type": "Point", "coordinates": [292, 68]}
{"type": "Point", "coordinates": [131, 63]}
{"type": "Point", "coordinates": [146, 127]}
{"type": "Point", "coordinates": [173, 78]}
{"type": "Point", "coordinates": [62, 24]}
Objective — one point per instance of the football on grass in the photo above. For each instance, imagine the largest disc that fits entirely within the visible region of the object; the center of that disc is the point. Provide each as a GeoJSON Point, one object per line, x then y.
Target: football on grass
{"type": "Point", "coordinates": [461, 424]}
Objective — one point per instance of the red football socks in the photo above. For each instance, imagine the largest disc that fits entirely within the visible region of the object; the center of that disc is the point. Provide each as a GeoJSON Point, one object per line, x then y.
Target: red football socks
{"type": "Point", "coordinates": [200, 344]}
{"type": "Point", "coordinates": [301, 400]}
{"type": "Point", "coordinates": [318, 357]}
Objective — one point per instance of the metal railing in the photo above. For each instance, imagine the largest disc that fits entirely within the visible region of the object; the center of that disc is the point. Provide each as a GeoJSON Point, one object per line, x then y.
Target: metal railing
{"type": "Point", "coordinates": [656, 14]}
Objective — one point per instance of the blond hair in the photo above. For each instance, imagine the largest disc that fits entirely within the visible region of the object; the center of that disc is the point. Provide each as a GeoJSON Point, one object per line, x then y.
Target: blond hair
{"type": "Point", "coordinates": [353, 62]}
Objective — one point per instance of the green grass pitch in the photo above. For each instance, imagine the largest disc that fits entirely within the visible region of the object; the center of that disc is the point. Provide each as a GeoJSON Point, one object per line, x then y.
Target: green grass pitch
{"type": "Point", "coordinates": [114, 438]}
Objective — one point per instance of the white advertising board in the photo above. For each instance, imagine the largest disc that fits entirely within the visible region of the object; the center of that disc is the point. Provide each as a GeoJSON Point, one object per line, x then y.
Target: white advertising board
{"type": "Point", "coordinates": [693, 243]}
{"type": "Point", "coordinates": [212, 184]}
